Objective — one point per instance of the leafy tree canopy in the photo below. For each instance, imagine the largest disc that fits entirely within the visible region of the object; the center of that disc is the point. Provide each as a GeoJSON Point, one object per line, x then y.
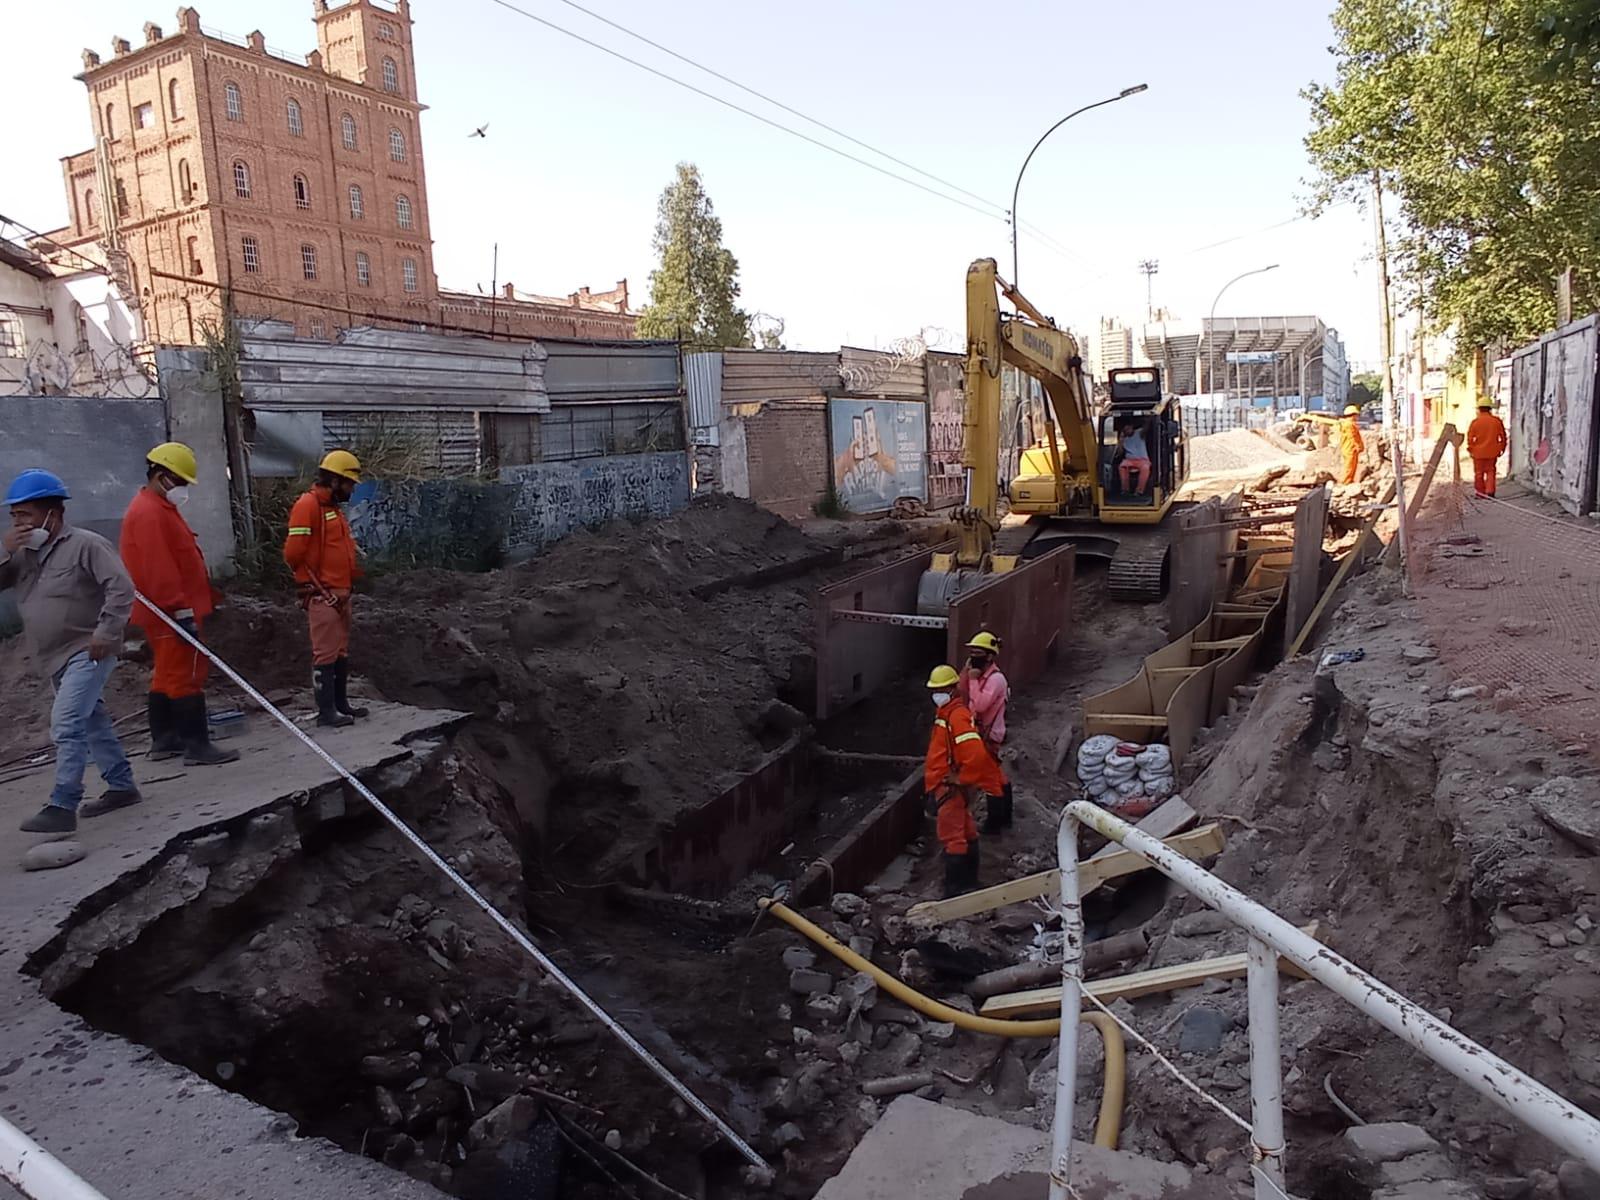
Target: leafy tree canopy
{"type": "Point", "coordinates": [694, 289]}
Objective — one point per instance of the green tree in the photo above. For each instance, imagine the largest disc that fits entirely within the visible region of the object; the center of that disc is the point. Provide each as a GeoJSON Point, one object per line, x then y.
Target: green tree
{"type": "Point", "coordinates": [695, 287]}
{"type": "Point", "coordinates": [1483, 122]}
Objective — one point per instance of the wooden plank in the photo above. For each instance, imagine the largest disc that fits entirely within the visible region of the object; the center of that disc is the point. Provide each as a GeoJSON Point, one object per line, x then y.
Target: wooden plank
{"type": "Point", "coordinates": [1232, 643]}
{"type": "Point", "coordinates": [1046, 1000]}
{"type": "Point", "coordinates": [1128, 719]}
{"type": "Point", "coordinates": [1339, 576]}
{"type": "Point", "coordinates": [1174, 816]}
{"type": "Point", "coordinates": [1305, 570]}
{"type": "Point", "coordinates": [1173, 670]}
{"type": "Point", "coordinates": [1195, 845]}
{"type": "Point", "coordinates": [1237, 523]}
{"type": "Point", "coordinates": [1447, 437]}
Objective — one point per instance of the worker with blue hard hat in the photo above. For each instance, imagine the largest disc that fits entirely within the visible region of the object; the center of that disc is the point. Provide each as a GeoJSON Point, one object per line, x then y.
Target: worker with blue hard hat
{"type": "Point", "coordinates": [75, 597]}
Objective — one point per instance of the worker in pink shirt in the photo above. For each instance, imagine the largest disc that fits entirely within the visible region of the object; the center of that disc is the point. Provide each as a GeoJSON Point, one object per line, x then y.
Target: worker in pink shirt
{"type": "Point", "coordinates": [985, 691]}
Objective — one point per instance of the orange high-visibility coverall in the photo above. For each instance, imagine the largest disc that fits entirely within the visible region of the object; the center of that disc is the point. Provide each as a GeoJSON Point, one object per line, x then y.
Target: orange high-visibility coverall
{"type": "Point", "coordinates": [1486, 441]}
{"type": "Point", "coordinates": [321, 550]}
{"type": "Point", "coordinates": [164, 561]}
{"type": "Point", "coordinates": [957, 764]}
{"type": "Point", "coordinates": [1350, 448]}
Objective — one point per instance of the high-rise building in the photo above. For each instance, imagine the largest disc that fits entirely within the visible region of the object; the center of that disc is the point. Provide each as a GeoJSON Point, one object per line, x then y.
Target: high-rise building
{"type": "Point", "coordinates": [1115, 349]}
{"type": "Point", "coordinates": [296, 185]}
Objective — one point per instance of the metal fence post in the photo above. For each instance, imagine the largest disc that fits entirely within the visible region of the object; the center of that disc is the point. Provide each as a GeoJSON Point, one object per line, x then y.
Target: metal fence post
{"type": "Point", "coordinates": [1071, 1003]}
{"type": "Point", "coordinates": [1266, 1070]}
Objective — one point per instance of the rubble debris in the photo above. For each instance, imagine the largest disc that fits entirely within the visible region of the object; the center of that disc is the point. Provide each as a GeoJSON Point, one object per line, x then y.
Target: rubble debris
{"type": "Point", "coordinates": [896, 1085]}
{"type": "Point", "coordinates": [1570, 808]}
{"type": "Point", "coordinates": [53, 855]}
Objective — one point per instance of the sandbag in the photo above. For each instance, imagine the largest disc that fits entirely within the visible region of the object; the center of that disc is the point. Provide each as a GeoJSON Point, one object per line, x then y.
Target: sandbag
{"type": "Point", "coordinates": [1096, 747]}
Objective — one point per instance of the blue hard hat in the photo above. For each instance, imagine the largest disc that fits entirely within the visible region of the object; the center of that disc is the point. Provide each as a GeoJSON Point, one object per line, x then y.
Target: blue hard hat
{"type": "Point", "coordinates": [36, 485]}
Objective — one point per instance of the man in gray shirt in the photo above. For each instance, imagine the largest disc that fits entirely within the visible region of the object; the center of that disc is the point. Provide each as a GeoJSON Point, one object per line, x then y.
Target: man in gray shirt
{"type": "Point", "coordinates": [75, 597]}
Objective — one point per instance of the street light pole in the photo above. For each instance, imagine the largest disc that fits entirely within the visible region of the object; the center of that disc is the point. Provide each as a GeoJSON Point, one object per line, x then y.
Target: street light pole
{"type": "Point", "coordinates": [1211, 343]}
{"type": "Point", "coordinates": [1122, 95]}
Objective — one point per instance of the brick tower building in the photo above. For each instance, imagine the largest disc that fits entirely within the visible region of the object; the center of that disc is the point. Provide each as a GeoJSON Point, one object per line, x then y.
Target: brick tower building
{"type": "Point", "coordinates": [297, 185]}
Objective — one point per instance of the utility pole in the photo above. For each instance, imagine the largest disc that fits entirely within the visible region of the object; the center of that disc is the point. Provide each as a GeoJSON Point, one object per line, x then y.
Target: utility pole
{"type": "Point", "coordinates": [1391, 407]}
{"type": "Point", "coordinates": [1149, 266]}
{"type": "Point", "coordinates": [494, 286]}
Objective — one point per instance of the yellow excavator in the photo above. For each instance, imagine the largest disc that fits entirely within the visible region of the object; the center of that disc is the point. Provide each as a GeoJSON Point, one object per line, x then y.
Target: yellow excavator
{"type": "Point", "coordinates": [1071, 485]}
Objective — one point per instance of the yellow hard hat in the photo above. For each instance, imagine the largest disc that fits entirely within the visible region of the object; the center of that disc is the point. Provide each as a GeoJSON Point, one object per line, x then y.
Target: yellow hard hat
{"type": "Point", "coordinates": [984, 641]}
{"type": "Point", "coordinates": [943, 677]}
{"type": "Point", "coordinates": [177, 458]}
{"type": "Point", "coordinates": [1352, 410]}
{"type": "Point", "coordinates": [344, 464]}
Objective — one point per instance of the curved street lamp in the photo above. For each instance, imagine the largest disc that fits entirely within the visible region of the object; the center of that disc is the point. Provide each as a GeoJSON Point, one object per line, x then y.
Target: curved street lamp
{"type": "Point", "coordinates": [1211, 345]}
{"type": "Point", "coordinates": [1122, 95]}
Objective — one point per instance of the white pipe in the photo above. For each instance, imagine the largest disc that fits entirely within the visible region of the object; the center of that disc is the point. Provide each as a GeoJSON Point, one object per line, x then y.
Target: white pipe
{"type": "Point", "coordinates": [1525, 1098]}
{"type": "Point", "coordinates": [1266, 1071]}
{"type": "Point", "coordinates": [1071, 1003]}
{"type": "Point", "coordinates": [472, 893]}
{"type": "Point", "coordinates": [35, 1172]}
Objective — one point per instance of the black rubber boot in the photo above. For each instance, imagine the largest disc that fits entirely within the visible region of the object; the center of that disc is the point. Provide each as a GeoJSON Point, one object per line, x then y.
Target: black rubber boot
{"type": "Point", "coordinates": [328, 714]}
{"type": "Point", "coordinates": [997, 812]}
{"type": "Point", "coordinates": [164, 740]}
{"type": "Point", "coordinates": [51, 819]}
{"type": "Point", "coordinates": [961, 872]}
{"type": "Point", "coordinates": [1005, 807]}
{"type": "Point", "coordinates": [198, 750]}
{"type": "Point", "coordinates": [110, 801]}
{"type": "Point", "coordinates": [341, 698]}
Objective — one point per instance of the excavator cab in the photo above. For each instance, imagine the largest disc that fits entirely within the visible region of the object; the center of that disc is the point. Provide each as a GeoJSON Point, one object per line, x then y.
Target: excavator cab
{"type": "Point", "coordinates": [1143, 458]}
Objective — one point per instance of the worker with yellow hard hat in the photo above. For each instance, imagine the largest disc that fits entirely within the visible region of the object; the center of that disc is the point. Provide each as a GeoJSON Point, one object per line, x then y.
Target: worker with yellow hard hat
{"type": "Point", "coordinates": [956, 768]}
{"type": "Point", "coordinates": [321, 551]}
{"type": "Point", "coordinates": [1350, 444]}
{"type": "Point", "coordinates": [164, 560]}
{"type": "Point", "coordinates": [986, 691]}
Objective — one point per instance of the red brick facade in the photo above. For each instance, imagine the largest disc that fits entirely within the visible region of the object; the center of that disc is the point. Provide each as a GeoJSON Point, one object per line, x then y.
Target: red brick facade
{"type": "Point", "coordinates": [786, 451]}
{"type": "Point", "coordinates": [299, 186]}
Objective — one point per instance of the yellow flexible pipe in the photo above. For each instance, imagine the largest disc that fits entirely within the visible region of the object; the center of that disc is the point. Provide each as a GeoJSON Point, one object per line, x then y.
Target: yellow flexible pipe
{"type": "Point", "coordinates": [1108, 1127]}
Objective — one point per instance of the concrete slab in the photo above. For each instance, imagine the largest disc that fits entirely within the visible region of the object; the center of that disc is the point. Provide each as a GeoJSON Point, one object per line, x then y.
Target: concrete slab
{"type": "Point", "coordinates": [934, 1152]}
{"type": "Point", "coordinates": [133, 1125]}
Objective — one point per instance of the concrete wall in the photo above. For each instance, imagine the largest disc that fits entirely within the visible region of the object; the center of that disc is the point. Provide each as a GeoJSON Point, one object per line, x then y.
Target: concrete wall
{"type": "Point", "coordinates": [456, 523]}
{"type": "Point", "coordinates": [194, 417]}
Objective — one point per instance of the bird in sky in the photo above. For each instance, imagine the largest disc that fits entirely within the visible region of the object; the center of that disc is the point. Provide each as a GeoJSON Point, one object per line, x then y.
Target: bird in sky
{"type": "Point", "coordinates": [480, 131]}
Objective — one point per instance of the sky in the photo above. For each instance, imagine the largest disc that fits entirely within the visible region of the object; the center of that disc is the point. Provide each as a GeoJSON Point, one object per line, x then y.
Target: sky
{"type": "Point", "coordinates": [580, 145]}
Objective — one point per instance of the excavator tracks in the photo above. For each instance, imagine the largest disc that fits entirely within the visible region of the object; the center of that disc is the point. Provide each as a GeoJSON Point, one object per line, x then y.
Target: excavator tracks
{"type": "Point", "coordinates": [1138, 573]}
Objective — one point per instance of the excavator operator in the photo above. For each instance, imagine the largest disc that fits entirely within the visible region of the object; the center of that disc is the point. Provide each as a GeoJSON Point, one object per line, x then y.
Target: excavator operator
{"type": "Point", "coordinates": [957, 767]}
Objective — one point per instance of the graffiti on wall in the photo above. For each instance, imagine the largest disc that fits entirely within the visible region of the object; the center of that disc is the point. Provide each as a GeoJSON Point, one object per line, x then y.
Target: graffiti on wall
{"type": "Point", "coordinates": [879, 450]}
{"type": "Point", "coordinates": [946, 431]}
{"type": "Point", "coordinates": [554, 499]}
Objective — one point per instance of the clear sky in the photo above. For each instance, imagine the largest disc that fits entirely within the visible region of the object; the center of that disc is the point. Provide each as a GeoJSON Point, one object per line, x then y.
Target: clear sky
{"type": "Point", "coordinates": [580, 145]}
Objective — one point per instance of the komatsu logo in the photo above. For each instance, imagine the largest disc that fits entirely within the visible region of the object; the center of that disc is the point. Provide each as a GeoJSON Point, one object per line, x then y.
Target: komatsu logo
{"type": "Point", "coordinates": [1038, 345]}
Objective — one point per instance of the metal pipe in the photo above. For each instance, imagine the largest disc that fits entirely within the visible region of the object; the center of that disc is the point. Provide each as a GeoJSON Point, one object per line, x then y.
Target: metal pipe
{"type": "Point", "coordinates": [37, 1173]}
{"type": "Point", "coordinates": [516, 935]}
{"type": "Point", "coordinates": [1122, 95]}
{"type": "Point", "coordinates": [1108, 1127]}
{"type": "Point", "coordinates": [1266, 1070]}
{"type": "Point", "coordinates": [1071, 1004]}
{"type": "Point", "coordinates": [1524, 1097]}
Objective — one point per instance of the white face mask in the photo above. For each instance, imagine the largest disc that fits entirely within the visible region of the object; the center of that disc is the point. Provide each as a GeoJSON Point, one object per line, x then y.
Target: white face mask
{"type": "Point", "coordinates": [940, 699]}
{"type": "Point", "coordinates": [178, 495]}
{"type": "Point", "coordinates": [37, 538]}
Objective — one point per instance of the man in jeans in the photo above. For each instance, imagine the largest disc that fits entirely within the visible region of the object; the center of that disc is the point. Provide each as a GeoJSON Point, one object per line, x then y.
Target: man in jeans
{"type": "Point", "coordinates": [75, 597]}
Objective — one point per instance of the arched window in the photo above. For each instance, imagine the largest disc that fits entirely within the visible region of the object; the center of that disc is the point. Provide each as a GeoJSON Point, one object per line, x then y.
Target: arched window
{"type": "Point", "coordinates": [308, 260]}
{"type": "Point", "coordinates": [408, 274]}
{"type": "Point", "coordinates": [358, 207]}
{"type": "Point", "coordinates": [233, 102]}
{"type": "Point", "coordinates": [402, 211]}
{"type": "Point", "coordinates": [302, 192]}
{"type": "Point", "coordinates": [347, 128]}
{"type": "Point", "coordinates": [296, 126]}
{"type": "Point", "coordinates": [174, 100]}
{"type": "Point", "coordinates": [91, 207]}
{"type": "Point", "coordinates": [363, 269]}
{"type": "Point", "coordinates": [397, 146]}
{"type": "Point", "coordinates": [185, 182]}
{"type": "Point", "coordinates": [391, 76]}
{"type": "Point", "coordinates": [195, 266]}
{"type": "Point", "coordinates": [110, 129]}
{"type": "Point", "coordinates": [241, 179]}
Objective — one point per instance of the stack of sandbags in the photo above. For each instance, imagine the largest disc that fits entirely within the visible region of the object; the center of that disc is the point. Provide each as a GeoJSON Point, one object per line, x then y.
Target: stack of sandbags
{"type": "Point", "coordinates": [1122, 775]}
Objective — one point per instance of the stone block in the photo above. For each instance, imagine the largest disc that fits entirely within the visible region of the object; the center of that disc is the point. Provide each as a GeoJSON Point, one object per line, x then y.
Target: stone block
{"type": "Point", "coordinates": [1389, 1141]}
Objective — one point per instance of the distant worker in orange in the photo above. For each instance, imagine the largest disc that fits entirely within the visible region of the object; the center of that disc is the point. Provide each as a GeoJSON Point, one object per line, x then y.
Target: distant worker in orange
{"type": "Point", "coordinates": [956, 769]}
{"type": "Point", "coordinates": [985, 692]}
{"type": "Point", "coordinates": [1350, 444]}
{"type": "Point", "coordinates": [321, 551]}
{"type": "Point", "coordinates": [164, 561]}
{"type": "Point", "coordinates": [1486, 442]}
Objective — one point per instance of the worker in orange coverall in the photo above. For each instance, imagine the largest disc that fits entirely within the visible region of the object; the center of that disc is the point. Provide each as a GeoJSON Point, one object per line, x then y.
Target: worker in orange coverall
{"type": "Point", "coordinates": [164, 561]}
{"type": "Point", "coordinates": [321, 551]}
{"type": "Point", "coordinates": [985, 691]}
{"type": "Point", "coordinates": [956, 768]}
{"type": "Point", "coordinates": [1350, 444]}
{"type": "Point", "coordinates": [1486, 441]}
